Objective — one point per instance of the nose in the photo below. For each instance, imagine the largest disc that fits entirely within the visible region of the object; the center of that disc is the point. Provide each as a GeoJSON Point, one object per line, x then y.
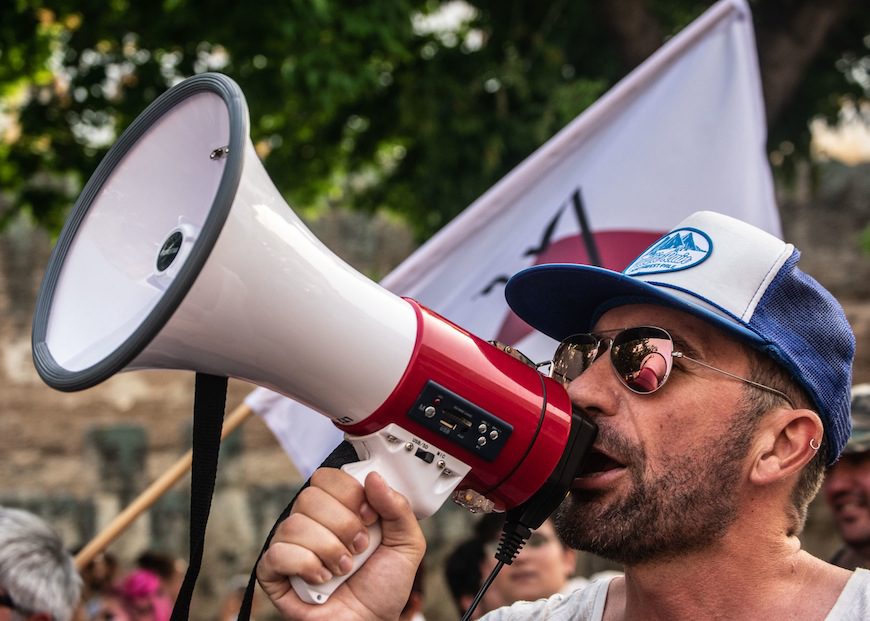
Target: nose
{"type": "Point", "coordinates": [596, 390]}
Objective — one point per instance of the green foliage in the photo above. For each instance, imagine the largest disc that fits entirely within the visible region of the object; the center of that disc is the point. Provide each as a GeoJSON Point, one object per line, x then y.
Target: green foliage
{"type": "Point", "coordinates": [865, 239]}
{"type": "Point", "coordinates": [358, 104]}
{"type": "Point", "coordinates": [828, 80]}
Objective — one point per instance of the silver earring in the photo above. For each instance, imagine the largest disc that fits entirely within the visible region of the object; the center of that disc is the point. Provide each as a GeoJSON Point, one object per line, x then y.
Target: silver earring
{"type": "Point", "coordinates": [815, 446]}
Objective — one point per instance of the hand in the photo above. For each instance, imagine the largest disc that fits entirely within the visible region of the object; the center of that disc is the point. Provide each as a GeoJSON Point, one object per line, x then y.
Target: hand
{"type": "Point", "coordinates": [327, 525]}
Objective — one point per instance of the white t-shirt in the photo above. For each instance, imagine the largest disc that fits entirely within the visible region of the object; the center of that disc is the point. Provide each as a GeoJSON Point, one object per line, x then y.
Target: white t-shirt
{"type": "Point", "coordinates": [588, 604]}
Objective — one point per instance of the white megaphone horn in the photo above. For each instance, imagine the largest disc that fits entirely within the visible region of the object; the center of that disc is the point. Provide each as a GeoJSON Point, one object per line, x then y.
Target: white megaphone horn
{"type": "Point", "coordinates": [181, 254]}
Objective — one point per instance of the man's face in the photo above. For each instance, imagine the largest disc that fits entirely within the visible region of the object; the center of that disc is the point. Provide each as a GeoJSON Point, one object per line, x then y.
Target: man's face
{"type": "Point", "coordinates": [847, 491]}
{"type": "Point", "coordinates": [666, 468]}
{"type": "Point", "coordinates": [540, 569]}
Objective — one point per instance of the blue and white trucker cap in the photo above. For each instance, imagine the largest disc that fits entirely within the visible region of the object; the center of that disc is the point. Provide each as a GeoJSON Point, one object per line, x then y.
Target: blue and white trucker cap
{"type": "Point", "coordinates": [735, 276]}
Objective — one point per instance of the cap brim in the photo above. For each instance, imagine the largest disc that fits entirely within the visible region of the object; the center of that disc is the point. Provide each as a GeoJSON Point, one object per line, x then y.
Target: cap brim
{"type": "Point", "coordinates": [564, 298]}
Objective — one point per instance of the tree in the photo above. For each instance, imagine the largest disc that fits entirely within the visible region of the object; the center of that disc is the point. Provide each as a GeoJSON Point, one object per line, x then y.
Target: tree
{"type": "Point", "coordinates": [373, 105]}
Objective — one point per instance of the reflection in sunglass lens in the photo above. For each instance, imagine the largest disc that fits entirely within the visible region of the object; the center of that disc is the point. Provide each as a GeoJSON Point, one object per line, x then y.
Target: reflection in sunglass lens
{"type": "Point", "coordinates": [642, 358]}
{"type": "Point", "coordinates": [573, 356]}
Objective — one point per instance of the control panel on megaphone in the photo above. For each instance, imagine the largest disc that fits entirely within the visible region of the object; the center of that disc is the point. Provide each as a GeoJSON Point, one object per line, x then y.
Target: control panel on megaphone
{"type": "Point", "coordinates": [180, 253]}
{"type": "Point", "coordinates": [469, 420]}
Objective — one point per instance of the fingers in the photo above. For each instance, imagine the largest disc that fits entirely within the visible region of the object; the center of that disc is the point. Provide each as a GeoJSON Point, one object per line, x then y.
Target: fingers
{"type": "Point", "coordinates": [399, 526]}
{"type": "Point", "coordinates": [326, 522]}
{"type": "Point", "coordinates": [338, 532]}
{"type": "Point", "coordinates": [284, 559]}
{"type": "Point", "coordinates": [327, 527]}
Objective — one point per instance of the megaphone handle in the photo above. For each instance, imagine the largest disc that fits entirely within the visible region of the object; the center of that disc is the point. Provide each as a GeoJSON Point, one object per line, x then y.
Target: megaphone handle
{"type": "Point", "coordinates": [425, 475]}
{"type": "Point", "coordinates": [319, 593]}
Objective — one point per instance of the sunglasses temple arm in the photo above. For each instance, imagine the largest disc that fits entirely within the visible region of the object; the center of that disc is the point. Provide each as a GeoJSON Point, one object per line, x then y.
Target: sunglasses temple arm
{"type": "Point", "coordinates": [678, 354]}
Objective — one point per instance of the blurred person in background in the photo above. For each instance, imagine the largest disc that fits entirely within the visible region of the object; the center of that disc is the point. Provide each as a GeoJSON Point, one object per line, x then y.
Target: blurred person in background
{"type": "Point", "coordinates": [98, 578]}
{"type": "Point", "coordinates": [847, 487]}
{"type": "Point", "coordinates": [38, 578]}
{"type": "Point", "coordinates": [233, 597]}
{"type": "Point", "coordinates": [463, 575]}
{"type": "Point", "coordinates": [544, 566]}
{"type": "Point", "coordinates": [413, 610]}
{"type": "Point", "coordinates": [168, 568]}
{"type": "Point", "coordinates": [111, 609]}
{"type": "Point", "coordinates": [144, 597]}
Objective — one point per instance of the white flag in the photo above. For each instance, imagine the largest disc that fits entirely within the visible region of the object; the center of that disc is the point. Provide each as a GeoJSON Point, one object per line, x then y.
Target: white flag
{"type": "Point", "coordinates": [684, 131]}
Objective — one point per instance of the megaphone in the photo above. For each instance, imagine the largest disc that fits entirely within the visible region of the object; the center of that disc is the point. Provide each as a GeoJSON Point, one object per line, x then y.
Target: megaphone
{"type": "Point", "coordinates": [180, 253]}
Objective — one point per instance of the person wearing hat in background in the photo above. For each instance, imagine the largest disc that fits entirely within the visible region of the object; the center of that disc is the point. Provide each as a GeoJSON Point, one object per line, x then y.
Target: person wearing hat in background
{"type": "Point", "coordinates": [847, 487]}
{"type": "Point", "coordinates": [699, 479]}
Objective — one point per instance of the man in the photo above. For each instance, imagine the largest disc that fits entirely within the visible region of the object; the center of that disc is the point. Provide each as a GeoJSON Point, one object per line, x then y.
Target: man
{"type": "Point", "coordinates": [698, 482]}
{"type": "Point", "coordinates": [38, 580]}
{"type": "Point", "coordinates": [847, 487]}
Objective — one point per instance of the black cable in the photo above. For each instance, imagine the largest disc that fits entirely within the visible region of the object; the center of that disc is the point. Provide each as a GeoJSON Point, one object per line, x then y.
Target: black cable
{"type": "Point", "coordinates": [483, 589]}
{"type": "Point", "coordinates": [513, 537]}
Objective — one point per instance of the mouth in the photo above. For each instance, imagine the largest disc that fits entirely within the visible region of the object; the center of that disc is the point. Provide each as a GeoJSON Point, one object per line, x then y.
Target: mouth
{"type": "Point", "coordinates": [598, 462]}
{"type": "Point", "coordinates": [523, 576]}
{"type": "Point", "coordinates": [850, 505]}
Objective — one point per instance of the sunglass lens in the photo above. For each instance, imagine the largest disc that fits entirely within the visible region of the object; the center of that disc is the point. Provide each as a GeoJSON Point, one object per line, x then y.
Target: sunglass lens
{"type": "Point", "coordinates": [573, 356]}
{"type": "Point", "coordinates": [642, 358]}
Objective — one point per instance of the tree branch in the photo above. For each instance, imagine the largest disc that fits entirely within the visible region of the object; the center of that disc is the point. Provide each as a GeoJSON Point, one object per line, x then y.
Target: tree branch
{"type": "Point", "coordinates": [786, 50]}
{"type": "Point", "coordinates": [637, 30]}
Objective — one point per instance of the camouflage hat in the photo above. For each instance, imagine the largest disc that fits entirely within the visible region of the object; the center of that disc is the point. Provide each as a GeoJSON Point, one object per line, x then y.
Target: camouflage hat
{"type": "Point", "coordinates": [859, 441]}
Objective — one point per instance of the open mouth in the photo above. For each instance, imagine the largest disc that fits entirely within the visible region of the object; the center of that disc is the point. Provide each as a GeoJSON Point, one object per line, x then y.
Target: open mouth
{"type": "Point", "coordinates": [597, 462]}
{"type": "Point", "coordinates": [846, 503]}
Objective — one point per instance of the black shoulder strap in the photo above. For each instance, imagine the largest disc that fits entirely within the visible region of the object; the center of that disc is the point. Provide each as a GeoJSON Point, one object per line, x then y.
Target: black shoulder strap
{"type": "Point", "coordinates": [343, 454]}
{"type": "Point", "coordinates": [209, 405]}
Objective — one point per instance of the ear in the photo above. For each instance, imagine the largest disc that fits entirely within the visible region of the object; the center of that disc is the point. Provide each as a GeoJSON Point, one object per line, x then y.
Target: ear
{"type": "Point", "coordinates": [783, 444]}
{"type": "Point", "coordinates": [569, 561]}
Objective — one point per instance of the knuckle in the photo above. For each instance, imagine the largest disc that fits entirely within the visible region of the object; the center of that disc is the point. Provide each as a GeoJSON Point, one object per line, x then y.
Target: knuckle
{"type": "Point", "coordinates": [322, 477]}
{"type": "Point", "coordinates": [292, 524]}
{"type": "Point", "coordinates": [306, 499]}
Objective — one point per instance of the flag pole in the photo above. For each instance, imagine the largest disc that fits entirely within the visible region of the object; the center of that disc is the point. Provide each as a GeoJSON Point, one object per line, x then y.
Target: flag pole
{"type": "Point", "coordinates": [151, 494]}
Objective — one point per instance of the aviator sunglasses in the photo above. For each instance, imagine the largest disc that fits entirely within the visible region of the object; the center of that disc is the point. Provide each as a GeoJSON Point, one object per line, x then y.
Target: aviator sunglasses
{"type": "Point", "coordinates": [642, 357]}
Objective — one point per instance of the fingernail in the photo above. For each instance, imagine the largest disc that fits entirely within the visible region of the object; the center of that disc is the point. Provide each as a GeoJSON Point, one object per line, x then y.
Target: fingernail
{"type": "Point", "coordinates": [367, 514]}
{"type": "Point", "coordinates": [345, 564]}
{"type": "Point", "coordinates": [360, 542]}
{"type": "Point", "coordinates": [325, 575]}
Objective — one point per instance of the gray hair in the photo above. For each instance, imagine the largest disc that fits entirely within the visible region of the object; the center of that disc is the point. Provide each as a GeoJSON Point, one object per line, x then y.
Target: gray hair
{"type": "Point", "coordinates": [35, 569]}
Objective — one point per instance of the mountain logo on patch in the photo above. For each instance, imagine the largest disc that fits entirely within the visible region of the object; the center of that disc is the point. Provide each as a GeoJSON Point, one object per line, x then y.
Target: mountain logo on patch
{"type": "Point", "coordinates": [678, 250]}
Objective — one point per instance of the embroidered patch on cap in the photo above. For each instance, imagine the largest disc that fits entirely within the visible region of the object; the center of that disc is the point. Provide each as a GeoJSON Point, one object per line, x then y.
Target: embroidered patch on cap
{"type": "Point", "coordinates": [678, 250]}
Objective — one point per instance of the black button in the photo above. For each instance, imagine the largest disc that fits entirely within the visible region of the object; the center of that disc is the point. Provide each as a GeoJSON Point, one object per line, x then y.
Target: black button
{"type": "Point", "coordinates": [425, 456]}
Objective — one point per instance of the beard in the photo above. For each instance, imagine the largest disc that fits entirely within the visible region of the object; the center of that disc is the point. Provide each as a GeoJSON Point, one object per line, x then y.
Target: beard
{"type": "Point", "coordinates": [687, 505]}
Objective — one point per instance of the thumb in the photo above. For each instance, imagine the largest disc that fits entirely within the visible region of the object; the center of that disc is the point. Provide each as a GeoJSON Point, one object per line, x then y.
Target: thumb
{"type": "Point", "coordinates": [399, 525]}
